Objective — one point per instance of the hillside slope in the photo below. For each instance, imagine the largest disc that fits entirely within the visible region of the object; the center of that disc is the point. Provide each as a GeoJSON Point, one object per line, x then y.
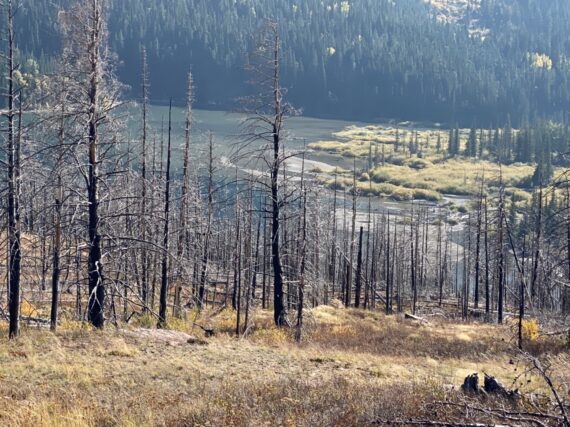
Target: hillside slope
{"type": "Point", "coordinates": [354, 369]}
{"type": "Point", "coordinates": [444, 60]}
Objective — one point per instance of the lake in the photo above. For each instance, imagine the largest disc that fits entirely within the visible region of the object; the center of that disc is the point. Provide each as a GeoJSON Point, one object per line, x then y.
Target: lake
{"type": "Point", "coordinates": [228, 133]}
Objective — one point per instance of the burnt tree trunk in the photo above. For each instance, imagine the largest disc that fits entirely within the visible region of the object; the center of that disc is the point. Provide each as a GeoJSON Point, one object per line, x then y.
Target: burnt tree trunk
{"type": "Point", "coordinates": [165, 236]}
{"type": "Point", "coordinates": [207, 237]}
{"type": "Point", "coordinates": [96, 302]}
{"type": "Point", "coordinates": [14, 248]}
{"type": "Point", "coordinates": [56, 269]}
{"type": "Point", "coordinates": [358, 285]}
{"type": "Point", "coordinates": [279, 310]}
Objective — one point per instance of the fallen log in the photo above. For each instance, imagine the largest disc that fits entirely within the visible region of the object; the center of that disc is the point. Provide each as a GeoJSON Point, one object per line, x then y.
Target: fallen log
{"type": "Point", "coordinates": [435, 423]}
{"type": "Point", "coordinates": [35, 319]}
{"type": "Point", "coordinates": [413, 317]}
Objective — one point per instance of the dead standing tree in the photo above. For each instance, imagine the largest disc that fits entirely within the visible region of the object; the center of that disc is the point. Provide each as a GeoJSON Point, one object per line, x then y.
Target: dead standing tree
{"type": "Point", "coordinates": [266, 111]}
{"type": "Point", "coordinates": [144, 184]}
{"type": "Point", "coordinates": [13, 164]}
{"type": "Point", "coordinates": [164, 284]}
{"type": "Point", "coordinates": [184, 235]}
{"type": "Point", "coordinates": [95, 93]}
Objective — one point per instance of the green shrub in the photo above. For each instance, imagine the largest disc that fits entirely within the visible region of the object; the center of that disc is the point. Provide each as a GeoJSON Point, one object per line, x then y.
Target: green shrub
{"type": "Point", "coordinates": [385, 189]}
{"type": "Point", "coordinates": [455, 190]}
{"type": "Point", "coordinates": [429, 195]}
{"type": "Point", "coordinates": [380, 176]}
{"type": "Point", "coordinates": [338, 185]}
{"type": "Point", "coordinates": [419, 163]}
{"type": "Point", "coordinates": [519, 195]}
{"type": "Point", "coordinates": [397, 160]}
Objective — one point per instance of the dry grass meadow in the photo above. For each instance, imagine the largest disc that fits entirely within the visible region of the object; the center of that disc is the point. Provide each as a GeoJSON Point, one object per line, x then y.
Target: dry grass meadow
{"type": "Point", "coordinates": [353, 368]}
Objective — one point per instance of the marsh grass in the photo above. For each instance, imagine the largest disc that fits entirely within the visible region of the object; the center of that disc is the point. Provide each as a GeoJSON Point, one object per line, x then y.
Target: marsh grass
{"type": "Point", "coordinates": [426, 176]}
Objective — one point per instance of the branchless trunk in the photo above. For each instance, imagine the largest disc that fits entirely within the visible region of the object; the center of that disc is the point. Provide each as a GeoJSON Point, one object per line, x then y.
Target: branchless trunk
{"type": "Point", "coordinates": [332, 267]}
{"type": "Point", "coordinates": [566, 300]}
{"type": "Point", "coordinates": [350, 266]}
{"type": "Point", "coordinates": [478, 248]}
{"type": "Point", "coordinates": [367, 262]}
{"type": "Point", "coordinates": [358, 285]}
{"type": "Point", "coordinates": [56, 269]}
{"type": "Point", "coordinates": [207, 237]}
{"type": "Point", "coordinates": [487, 287]}
{"type": "Point", "coordinates": [388, 269]}
{"type": "Point", "coordinates": [183, 237]}
{"type": "Point", "coordinates": [143, 213]}
{"type": "Point", "coordinates": [14, 249]}
{"type": "Point", "coordinates": [501, 255]}
{"type": "Point", "coordinates": [264, 276]}
{"type": "Point", "coordinates": [301, 296]}
{"type": "Point", "coordinates": [538, 236]}
{"type": "Point", "coordinates": [165, 236]}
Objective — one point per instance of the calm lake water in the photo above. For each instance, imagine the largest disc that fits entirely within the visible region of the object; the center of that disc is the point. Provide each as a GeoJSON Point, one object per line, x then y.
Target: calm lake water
{"type": "Point", "coordinates": [228, 133]}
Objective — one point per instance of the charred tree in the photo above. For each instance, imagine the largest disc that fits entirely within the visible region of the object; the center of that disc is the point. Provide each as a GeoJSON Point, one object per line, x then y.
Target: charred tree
{"type": "Point", "coordinates": [165, 237]}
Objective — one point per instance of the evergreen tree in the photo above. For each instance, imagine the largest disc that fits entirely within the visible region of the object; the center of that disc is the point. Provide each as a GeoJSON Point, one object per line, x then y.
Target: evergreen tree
{"type": "Point", "coordinates": [471, 147]}
{"type": "Point", "coordinates": [506, 150]}
{"type": "Point", "coordinates": [454, 142]}
{"type": "Point", "coordinates": [457, 140]}
{"type": "Point", "coordinates": [543, 171]}
{"type": "Point", "coordinates": [411, 147]}
{"type": "Point", "coordinates": [523, 152]}
{"type": "Point", "coordinates": [397, 142]}
{"type": "Point", "coordinates": [482, 144]}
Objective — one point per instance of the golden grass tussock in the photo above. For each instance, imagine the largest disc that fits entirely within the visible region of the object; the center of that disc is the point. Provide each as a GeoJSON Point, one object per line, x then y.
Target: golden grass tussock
{"type": "Point", "coordinates": [346, 371]}
{"type": "Point", "coordinates": [453, 176]}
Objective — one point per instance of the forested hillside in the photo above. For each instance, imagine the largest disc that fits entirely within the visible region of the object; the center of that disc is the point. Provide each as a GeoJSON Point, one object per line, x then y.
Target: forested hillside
{"type": "Point", "coordinates": [444, 61]}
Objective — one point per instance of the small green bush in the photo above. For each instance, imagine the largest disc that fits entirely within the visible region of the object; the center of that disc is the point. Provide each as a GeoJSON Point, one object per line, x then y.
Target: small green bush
{"type": "Point", "coordinates": [429, 195]}
{"type": "Point", "coordinates": [380, 176]}
{"type": "Point", "coordinates": [419, 163]}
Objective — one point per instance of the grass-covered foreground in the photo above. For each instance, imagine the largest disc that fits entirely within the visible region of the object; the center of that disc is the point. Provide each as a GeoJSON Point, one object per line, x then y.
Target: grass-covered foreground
{"type": "Point", "coordinates": [354, 368]}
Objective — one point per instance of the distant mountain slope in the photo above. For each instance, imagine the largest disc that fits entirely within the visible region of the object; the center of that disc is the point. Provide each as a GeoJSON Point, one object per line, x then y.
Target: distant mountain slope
{"type": "Point", "coordinates": [450, 11]}
{"type": "Point", "coordinates": [440, 60]}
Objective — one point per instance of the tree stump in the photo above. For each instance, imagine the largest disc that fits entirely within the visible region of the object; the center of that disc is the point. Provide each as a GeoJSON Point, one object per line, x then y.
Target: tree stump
{"type": "Point", "coordinates": [471, 383]}
{"type": "Point", "coordinates": [493, 386]}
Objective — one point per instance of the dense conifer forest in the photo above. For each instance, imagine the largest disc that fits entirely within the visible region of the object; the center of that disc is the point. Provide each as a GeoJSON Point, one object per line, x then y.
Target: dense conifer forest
{"type": "Point", "coordinates": [365, 59]}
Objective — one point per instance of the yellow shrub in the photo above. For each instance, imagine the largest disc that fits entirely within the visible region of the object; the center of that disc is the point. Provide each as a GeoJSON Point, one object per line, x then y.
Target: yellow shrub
{"type": "Point", "coordinates": [27, 309]}
{"type": "Point", "coordinates": [180, 325]}
{"type": "Point", "coordinates": [530, 330]}
{"type": "Point", "coordinates": [342, 330]}
{"type": "Point", "coordinates": [146, 321]}
{"type": "Point", "coordinates": [272, 335]}
{"type": "Point", "coordinates": [74, 325]}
